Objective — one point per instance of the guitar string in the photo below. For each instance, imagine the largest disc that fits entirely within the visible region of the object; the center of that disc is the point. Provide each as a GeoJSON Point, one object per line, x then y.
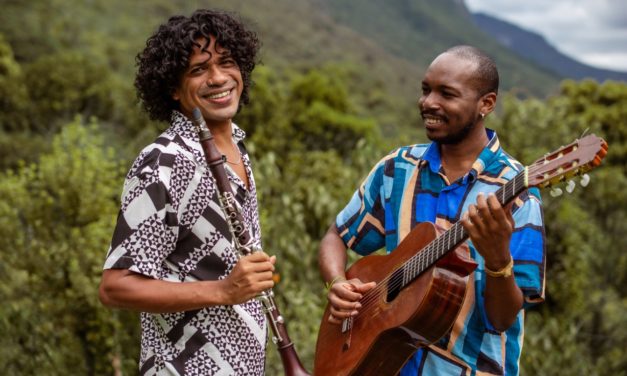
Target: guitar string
{"type": "Point", "coordinates": [429, 252]}
{"type": "Point", "coordinates": [436, 246]}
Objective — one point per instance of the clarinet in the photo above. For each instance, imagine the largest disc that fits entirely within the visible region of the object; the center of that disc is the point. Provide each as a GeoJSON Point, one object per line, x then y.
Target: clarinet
{"type": "Point", "coordinates": [243, 241]}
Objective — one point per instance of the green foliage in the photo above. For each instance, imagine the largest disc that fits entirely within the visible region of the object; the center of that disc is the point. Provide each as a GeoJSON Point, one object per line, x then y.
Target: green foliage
{"type": "Point", "coordinates": [263, 118]}
{"type": "Point", "coordinates": [311, 112]}
{"type": "Point", "coordinates": [38, 98]}
{"type": "Point", "coordinates": [322, 115]}
{"type": "Point", "coordinates": [13, 94]}
{"type": "Point", "coordinates": [580, 327]}
{"type": "Point", "coordinates": [314, 129]}
{"type": "Point", "coordinates": [17, 143]}
{"type": "Point", "coordinates": [294, 220]}
{"type": "Point", "coordinates": [66, 84]}
{"type": "Point", "coordinates": [303, 136]}
{"type": "Point", "coordinates": [56, 218]}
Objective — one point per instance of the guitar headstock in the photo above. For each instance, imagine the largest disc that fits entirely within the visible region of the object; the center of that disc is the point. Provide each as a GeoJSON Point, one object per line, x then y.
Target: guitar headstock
{"type": "Point", "coordinates": [568, 161]}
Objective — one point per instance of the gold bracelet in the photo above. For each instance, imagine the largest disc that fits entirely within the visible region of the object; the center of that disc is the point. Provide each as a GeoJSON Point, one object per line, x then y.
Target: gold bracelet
{"type": "Point", "coordinates": [328, 285]}
{"type": "Point", "coordinates": [503, 272]}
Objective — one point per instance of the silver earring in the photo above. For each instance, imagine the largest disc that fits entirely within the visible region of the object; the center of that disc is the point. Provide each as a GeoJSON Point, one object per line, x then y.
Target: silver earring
{"type": "Point", "coordinates": [482, 115]}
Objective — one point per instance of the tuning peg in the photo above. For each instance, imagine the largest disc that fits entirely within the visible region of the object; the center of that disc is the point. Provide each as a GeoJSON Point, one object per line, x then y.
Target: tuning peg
{"type": "Point", "coordinates": [555, 192]}
{"type": "Point", "coordinates": [585, 180]}
{"type": "Point", "coordinates": [570, 187]}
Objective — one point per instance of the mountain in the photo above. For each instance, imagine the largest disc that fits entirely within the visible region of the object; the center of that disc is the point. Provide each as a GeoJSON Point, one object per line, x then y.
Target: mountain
{"type": "Point", "coordinates": [393, 40]}
{"type": "Point", "coordinates": [418, 30]}
{"type": "Point", "coordinates": [381, 47]}
{"type": "Point", "coordinates": [534, 47]}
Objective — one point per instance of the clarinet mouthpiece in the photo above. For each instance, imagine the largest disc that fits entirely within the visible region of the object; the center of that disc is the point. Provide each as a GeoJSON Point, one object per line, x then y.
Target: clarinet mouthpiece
{"type": "Point", "coordinates": [197, 115]}
{"type": "Point", "coordinates": [199, 122]}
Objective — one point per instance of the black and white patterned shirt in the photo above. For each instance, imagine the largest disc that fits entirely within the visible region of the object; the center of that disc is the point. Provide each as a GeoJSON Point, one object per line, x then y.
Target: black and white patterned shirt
{"type": "Point", "coordinates": [171, 227]}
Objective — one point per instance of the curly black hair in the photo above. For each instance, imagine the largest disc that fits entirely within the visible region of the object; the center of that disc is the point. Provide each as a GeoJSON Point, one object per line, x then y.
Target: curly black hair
{"type": "Point", "coordinates": [160, 66]}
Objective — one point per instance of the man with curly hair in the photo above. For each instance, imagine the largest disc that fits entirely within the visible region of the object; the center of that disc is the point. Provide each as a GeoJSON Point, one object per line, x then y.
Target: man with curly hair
{"type": "Point", "coordinates": [171, 255]}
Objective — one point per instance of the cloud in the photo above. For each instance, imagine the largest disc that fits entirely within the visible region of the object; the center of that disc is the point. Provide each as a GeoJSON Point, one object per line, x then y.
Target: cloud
{"type": "Point", "coordinates": [592, 32]}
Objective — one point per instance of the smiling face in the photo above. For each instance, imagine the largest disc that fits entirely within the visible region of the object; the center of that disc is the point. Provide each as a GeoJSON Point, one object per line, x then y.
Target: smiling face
{"type": "Point", "coordinates": [451, 104]}
{"type": "Point", "coordinates": [211, 82]}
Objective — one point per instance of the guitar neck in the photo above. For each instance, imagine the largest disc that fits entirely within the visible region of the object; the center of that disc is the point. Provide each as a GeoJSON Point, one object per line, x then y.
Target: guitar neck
{"type": "Point", "coordinates": [454, 236]}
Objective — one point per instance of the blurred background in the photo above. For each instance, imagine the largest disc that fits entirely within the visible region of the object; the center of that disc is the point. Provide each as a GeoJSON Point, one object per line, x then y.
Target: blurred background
{"type": "Point", "coordinates": [336, 90]}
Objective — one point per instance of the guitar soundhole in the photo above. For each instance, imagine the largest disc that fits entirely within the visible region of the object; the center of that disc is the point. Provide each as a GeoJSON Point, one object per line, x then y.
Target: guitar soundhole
{"type": "Point", "coordinates": [395, 284]}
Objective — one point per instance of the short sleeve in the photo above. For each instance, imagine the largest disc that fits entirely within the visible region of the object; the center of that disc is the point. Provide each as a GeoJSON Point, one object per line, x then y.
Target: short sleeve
{"type": "Point", "coordinates": [146, 231]}
{"type": "Point", "coordinates": [361, 222]}
{"type": "Point", "coordinates": [528, 246]}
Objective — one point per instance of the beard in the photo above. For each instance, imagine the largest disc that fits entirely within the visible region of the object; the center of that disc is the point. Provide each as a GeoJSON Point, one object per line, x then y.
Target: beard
{"type": "Point", "coordinates": [457, 137]}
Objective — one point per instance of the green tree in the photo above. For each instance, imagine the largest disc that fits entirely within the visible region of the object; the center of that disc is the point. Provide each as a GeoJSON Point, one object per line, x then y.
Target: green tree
{"type": "Point", "coordinates": [66, 84]}
{"type": "Point", "coordinates": [16, 143]}
{"type": "Point", "coordinates": [322, 117]}
{"type": "Point", "coordinates": [264, 118]}
{"type": "Point", "coordinates": [580, 328]}
{"type": "Point", "coordinates": [56, 218]}
{"type": "Point", "coordinates": [297, 205]}
{"type": "Point", "coordinates": [13, 93]}
{"type": "Point", "coordinates": [305, 173]}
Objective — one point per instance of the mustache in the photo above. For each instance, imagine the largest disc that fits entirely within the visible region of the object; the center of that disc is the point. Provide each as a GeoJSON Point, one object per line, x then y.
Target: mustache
{"type": "Point", "coordinates": [433, 113]}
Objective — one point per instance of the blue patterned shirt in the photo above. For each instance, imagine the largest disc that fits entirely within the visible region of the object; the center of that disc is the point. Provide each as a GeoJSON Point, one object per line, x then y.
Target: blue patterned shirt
{"type": "Point", "coordinates": [408, 187]}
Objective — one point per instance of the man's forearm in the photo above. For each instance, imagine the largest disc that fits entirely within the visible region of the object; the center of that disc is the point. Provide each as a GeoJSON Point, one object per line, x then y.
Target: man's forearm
{"type": "Point", "coordinates": [332, 256]}
{"type": "Point", "coordinates": [128, 290]}
{"type": "Point", "coordinates": [503, 301]}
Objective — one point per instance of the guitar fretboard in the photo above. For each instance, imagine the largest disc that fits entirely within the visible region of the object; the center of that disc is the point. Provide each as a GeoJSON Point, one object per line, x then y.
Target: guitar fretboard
{"type": "Point", "coordinates": [454, 236]}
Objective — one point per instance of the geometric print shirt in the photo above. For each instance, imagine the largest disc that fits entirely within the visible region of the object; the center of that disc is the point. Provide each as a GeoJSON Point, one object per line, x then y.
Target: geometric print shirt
{"type": "Point", "coordinates": [408, 187]}
{"type": "Point", "coordinates": [171, 227]}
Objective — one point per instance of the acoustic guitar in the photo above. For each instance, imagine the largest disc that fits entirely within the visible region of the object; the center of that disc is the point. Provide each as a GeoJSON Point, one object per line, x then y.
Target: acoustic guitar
{"type": "Point", "coordinates": [421, 285]}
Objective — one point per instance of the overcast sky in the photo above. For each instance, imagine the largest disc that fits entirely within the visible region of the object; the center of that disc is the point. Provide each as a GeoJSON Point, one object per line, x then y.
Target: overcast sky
{"type": "Point", "coordinates": [593, 32]}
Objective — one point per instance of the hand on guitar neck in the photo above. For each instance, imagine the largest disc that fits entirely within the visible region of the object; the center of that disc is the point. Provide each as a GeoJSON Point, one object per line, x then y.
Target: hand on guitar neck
{"type": "Point", "coordinates": [490, 228]}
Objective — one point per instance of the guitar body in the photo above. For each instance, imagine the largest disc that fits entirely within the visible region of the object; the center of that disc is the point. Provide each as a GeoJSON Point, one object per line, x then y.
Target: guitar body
{"type": "Point", "coordinates": [395, 322]}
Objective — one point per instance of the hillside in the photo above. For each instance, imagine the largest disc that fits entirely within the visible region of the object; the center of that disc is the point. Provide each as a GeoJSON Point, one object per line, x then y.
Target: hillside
{"type": "Point", "coordinates": [534, 47]}
{"type": "Point", "coordinates": [383, 47]}
{"type": "Point", "coordinates": [417, 30]}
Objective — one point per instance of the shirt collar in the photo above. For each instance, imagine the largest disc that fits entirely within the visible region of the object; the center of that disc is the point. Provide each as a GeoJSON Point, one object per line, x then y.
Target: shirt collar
{"type": "Point", "coordinates": [183, 132]}
{"type": "Point", "coordinates": [488, 154]}
{"type": "Point", "coordinates": [182, 126]}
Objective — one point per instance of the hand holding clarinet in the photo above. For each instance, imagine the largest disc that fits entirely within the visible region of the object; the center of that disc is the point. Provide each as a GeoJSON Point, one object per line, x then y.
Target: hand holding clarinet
{"type": "Point", "coordinates": [251, 257]}
{"type": "Point", "coordinates": [251, 276]}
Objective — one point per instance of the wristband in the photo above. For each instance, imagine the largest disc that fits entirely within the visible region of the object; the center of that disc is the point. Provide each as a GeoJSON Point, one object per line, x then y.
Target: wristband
{"type": "Point", "coordinates": [503, 272]}
{"type": "Point", "coordinates": [328, 285]}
